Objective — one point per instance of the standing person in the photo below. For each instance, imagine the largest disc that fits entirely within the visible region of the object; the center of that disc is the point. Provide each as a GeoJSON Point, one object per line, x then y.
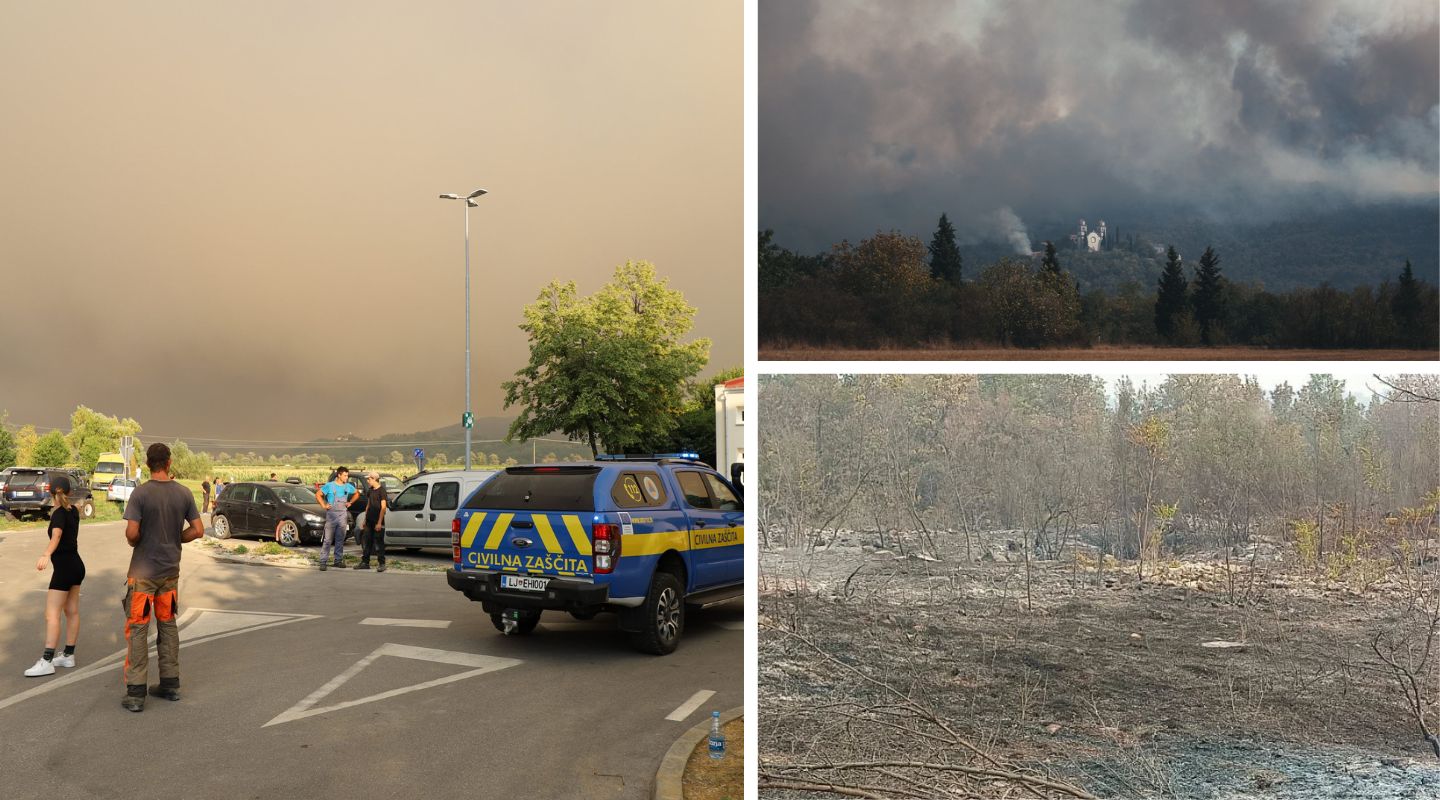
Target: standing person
{"type": "Point", "coordinates": [156, 520]}
{"type": "Point", "coordinates": [205, 496]}
{"type": "Point", "coordinates": [272, 476]}
{"type": "Point", "coordinates": [64, 592]}
{"type": "Point", "coordinates": [337, 496]}
{"type": "Point", "coordinates": [373, 537]}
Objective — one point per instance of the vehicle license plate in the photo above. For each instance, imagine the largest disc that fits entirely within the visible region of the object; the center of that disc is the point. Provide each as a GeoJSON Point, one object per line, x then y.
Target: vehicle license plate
{"type": "Point", "coordinates": [524, 583]}
{"type": "Point", "coordinates": [24, 494]}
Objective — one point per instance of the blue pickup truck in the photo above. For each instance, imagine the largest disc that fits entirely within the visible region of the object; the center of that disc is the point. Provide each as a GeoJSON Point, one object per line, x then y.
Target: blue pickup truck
{"type": "Point", "coordinates": [643, 537]}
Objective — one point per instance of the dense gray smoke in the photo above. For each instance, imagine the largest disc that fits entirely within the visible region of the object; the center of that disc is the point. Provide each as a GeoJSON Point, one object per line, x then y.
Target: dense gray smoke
{"type": "Point", "coordinates": [876, 115]}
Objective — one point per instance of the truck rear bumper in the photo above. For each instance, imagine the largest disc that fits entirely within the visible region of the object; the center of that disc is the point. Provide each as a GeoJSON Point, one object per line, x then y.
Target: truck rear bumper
{"type": "Point", "coordinates": [559, 594]}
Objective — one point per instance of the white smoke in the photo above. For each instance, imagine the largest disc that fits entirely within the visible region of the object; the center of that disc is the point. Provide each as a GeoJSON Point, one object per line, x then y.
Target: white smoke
{"type": "Point", "coordinates": [1009, 226]}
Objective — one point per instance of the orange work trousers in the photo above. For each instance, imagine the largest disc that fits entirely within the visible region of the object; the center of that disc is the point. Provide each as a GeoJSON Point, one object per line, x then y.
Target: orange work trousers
{"type": "Point", "coordinates": [146, 598]}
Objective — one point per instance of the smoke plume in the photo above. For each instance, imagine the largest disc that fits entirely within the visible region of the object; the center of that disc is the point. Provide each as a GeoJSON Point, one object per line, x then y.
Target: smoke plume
{"type": "Point", "coordinates": [878, 115]}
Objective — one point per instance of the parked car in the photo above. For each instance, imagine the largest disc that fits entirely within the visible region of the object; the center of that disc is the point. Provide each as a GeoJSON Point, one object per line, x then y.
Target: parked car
{"type": "Point", "coordinates": [271, 509]}
{"type": "Point", "coordinates": [27, 492]}
{"type": "Point", "coordinates": [4, 476]}
{"type": "Point", "coordinates": [120, 489]}
{"type": "Point", "coordinates": [643, 537]}
{"type": "Point", "coordinates": [421, 513]}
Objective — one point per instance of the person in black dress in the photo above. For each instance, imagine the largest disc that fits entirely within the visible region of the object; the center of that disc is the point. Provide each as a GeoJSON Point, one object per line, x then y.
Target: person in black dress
{"type": "Point", "coordinates": [64, 595]}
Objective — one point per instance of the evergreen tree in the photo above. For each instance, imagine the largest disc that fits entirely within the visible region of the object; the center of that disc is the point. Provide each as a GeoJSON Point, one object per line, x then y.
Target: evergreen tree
{"type": "Point", "coordinates": [1208, 288]}
{"type": "Point", "coordinates": [1406, 305]}
{"type": "Point", "coordinates": [1050, 263]}
{"type": "Point", "coordinates": [1170, 299]}
{"type": "Point", "coordinates": [944, 254]}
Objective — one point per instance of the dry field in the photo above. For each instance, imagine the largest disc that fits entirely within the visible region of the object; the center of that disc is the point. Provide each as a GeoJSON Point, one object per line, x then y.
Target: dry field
{"type": "Point", "coordinates": [1100, 353]}
{"type": "Point", "coordinates": [897, 676]}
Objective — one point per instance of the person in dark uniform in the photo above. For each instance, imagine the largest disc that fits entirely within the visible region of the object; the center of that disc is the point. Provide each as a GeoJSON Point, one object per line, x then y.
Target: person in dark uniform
{"type": "Point", "coordinates": [64, 555]}
{"type": "Point", "coordinates": [373, 534]}
{"type": "Point", "coordinates": [205, 496]}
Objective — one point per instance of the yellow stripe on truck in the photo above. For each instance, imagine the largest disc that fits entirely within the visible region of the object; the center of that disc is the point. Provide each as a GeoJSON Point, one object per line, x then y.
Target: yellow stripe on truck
{"type": "Point", "coordinates": [703, 538]}
{"type": "Point", "coordinates": [472, 527]}
{"type": "Point", "coordinates": [502, 524]}
{"type": "Point", "coordinates": [649, 544]}
{"type": "Point", "coordinates": [547, 534]}
{"type": "Point", "coordinates": [577, 534]}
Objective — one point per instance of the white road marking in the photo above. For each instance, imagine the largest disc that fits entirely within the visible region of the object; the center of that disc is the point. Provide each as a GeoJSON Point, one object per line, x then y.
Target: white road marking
{"type": "Point", "coordinates": [197, 626]}
{"type": "Point", "coordinates": [688, 707]}
{"type": "Point", "coordinates": [406, 623]}
{"type": "Point", "coordinates": [481, 664]}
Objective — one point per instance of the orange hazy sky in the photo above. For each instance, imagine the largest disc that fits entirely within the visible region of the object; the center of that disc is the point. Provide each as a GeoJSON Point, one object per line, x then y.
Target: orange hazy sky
{"type": "Point", "coordinates": [222, 219]}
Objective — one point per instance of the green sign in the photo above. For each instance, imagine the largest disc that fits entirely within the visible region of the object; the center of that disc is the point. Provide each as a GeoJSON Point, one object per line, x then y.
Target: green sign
{"type": "Point", "coordinates": [468, 420]}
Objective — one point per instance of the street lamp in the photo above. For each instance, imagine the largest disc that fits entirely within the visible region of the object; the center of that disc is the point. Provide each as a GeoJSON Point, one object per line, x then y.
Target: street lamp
{"type": "Point", "coordinates": [467, 420]}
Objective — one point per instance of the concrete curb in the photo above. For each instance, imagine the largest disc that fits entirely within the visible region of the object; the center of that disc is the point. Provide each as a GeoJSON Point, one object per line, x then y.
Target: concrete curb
{"type": "Point", "coordinates": [668, 779]}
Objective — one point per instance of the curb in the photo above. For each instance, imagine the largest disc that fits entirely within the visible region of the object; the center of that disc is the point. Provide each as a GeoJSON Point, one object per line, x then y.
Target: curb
{"type": "Point", "coordinates": [668, 779]}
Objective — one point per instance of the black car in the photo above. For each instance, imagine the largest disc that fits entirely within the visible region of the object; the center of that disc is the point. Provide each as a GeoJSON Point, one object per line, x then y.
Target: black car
{"type": "Point", "coordinates": [27, 491]}
{"type": "Point", "coordinates": [282, 511]}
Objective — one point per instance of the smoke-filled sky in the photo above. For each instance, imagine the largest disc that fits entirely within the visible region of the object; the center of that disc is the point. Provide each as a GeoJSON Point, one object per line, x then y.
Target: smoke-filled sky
{"type": "Point", "coordinates": [222, 219]}
{"type": "Point", "coordinates": [878, 115]}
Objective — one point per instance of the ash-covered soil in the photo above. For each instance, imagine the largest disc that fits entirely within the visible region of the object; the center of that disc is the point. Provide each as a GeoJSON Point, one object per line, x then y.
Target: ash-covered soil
{"type": "Point", "coordinates": [869, 656]}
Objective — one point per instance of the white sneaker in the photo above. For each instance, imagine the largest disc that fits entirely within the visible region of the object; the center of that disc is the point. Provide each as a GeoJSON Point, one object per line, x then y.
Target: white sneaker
{"type": "Point", "coordinates": [42, 667]}
{"type": "Point", "coordinates": [62, 660]}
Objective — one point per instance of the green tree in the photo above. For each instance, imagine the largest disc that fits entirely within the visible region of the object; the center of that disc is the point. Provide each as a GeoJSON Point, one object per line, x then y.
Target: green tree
{"type": "Point", "coordinates": [609, 369]}
{"type": "Point", "coordinates": [1208, 298]}
{"type": "Point", "coordinates": [9, 452]}
{"type": "Point", "coordinates": [93, 433]}
{"type": "Point", "coordinates": [944, 253]}
{"type": "Point", "coordinates": [1050, 263]}
{"type": "Point", "coordinates": [187, 464]}
{"type": "Point", "coordinates": [695, 429]}
{"type": "Point", "coordinates": [397, 457]}
{"type": "Point", "coordinates": [25, 440]}
{"type": "Point", "coordinates": [1170, 300]}
{"type": "Point", "coordinates": [51, 450]}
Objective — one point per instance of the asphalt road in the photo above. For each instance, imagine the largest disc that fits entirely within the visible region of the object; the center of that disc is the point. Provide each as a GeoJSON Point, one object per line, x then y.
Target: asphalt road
{"type": "Point", "coordinates": [288, 694]}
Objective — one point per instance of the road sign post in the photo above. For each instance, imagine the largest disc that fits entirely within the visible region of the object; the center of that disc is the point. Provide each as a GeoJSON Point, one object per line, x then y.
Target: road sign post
{"type": "Point", "coordinates": [419, 459]}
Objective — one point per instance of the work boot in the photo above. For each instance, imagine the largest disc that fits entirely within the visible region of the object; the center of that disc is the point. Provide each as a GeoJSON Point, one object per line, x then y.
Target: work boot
{"type": "Point", "coordinates": [168, 688]}
{"type": "Point", "coordinates": [324, 565]}
{"type": "Point", "coordinates": [134, 699]}
{"type": "Point", "coordinates": [364, 565]}
{"type": "Point", "coordinates": [380, 568]}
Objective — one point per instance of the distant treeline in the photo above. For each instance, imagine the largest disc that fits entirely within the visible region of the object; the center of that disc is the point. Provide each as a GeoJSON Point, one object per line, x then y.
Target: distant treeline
{"type": "Point", "coordinates": [893, 290]}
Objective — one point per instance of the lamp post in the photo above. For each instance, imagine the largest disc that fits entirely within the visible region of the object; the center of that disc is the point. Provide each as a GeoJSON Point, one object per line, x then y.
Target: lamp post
{"type": "Point", "coordinates": [467, 419]}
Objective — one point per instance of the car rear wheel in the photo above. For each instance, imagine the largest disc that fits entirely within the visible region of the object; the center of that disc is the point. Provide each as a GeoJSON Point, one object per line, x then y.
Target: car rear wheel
{"type": "Point", "coordinates": [287, 533]}
{"type": "Point", "coordinates": [220, 524]}
{"type": "Point", "coordinates": [524, 626]}
{"type": "Point", "coordinates": [662, 616]}
{"type": "Point", "coordinates": [87, 510]}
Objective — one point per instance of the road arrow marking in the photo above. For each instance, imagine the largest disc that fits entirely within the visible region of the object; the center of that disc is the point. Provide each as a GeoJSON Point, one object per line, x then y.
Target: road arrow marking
{"type": "Point", "coordinates": [481, 665]}
{"type": "Point", "coordinates": [197, 626]}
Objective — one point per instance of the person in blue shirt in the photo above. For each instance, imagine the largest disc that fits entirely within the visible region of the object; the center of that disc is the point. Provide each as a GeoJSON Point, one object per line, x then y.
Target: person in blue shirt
{"type": "Point", "coordinates": [336, 496]}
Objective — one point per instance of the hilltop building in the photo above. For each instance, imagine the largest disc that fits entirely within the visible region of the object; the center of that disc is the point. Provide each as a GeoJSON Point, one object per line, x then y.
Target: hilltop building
{"type": "Point", "coordinates": [1086, 239]}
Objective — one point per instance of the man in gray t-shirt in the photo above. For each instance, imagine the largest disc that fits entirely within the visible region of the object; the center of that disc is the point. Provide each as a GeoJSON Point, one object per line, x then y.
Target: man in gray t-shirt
{"type": "Point", "coordinates": [157, 517]}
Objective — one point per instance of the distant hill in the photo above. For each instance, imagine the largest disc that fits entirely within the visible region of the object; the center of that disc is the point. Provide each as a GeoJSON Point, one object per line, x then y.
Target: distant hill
{"type": "Point", "coordinates": [1342, 248]}
{"type": "Point", "coordinates": [488, 434]}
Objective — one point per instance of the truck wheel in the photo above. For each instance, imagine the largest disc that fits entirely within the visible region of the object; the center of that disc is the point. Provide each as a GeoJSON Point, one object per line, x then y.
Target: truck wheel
{"type": "Point", "coordinates": [523, 626]}
{"type": "Point", "coordinates": [220, 524]}
{"type": "Point", "coordinates": [87, 510]}
{"type": "Point", "coordinates": [287, 533]}
{"type": "Point", "coordinates": [662, 616]}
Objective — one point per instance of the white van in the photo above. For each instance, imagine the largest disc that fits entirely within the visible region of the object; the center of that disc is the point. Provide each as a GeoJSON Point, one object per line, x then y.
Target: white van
{"type": "Point", "coordinates": [420, 514]}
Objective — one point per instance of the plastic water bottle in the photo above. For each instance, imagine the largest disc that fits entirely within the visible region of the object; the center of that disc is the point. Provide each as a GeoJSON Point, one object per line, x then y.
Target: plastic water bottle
{"type": "Point", "coordinates": [717, 739]}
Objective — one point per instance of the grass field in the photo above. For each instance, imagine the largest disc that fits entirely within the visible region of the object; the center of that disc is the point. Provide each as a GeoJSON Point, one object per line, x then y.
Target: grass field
{"type": "Point", "coordinates": [1100, 353]}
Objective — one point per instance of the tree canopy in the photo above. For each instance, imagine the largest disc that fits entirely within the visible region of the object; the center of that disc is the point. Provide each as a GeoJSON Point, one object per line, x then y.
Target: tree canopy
{"type": "Point", "coordinates": [611, 368]}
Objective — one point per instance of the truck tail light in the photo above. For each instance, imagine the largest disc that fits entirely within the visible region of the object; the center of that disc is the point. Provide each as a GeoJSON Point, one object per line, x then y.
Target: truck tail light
{"type": "Point", "coordinates": [605, 545]}
{"type": "Point", "coordinates": [455, 539]}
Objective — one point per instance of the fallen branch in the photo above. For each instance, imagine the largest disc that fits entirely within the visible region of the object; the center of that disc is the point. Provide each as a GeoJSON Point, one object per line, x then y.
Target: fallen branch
{"type": "Point", "coordinates": [769, 782]}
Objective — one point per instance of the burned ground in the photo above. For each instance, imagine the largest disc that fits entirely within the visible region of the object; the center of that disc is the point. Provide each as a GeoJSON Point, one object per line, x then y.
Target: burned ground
{"type": "Point", "coordinates": [886, 661]}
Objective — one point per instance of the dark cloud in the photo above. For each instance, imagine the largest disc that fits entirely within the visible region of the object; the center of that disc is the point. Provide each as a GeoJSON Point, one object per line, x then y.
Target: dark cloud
{"type": "Point", "coordinates": [878, 115]}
